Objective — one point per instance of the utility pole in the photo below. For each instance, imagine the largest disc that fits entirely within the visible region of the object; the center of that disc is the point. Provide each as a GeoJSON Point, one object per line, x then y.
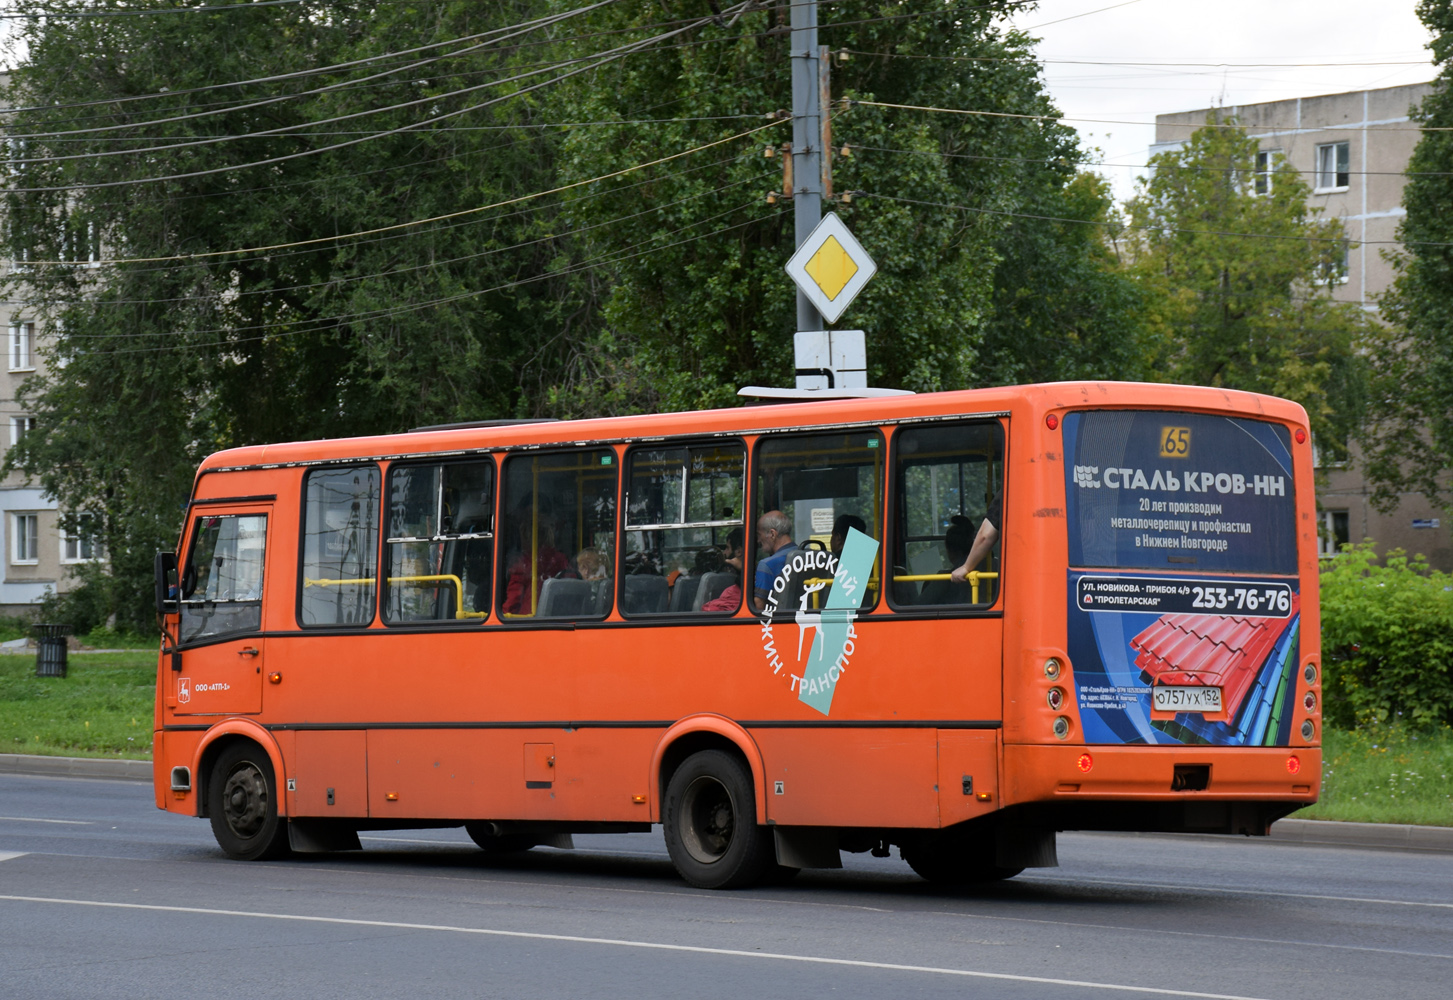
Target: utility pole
{"type": "Point", "coordinates": [807, 136]}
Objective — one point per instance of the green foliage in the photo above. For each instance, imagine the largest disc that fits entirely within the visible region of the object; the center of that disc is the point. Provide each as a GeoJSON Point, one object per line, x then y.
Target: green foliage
{"type": "Point", "coordinates": [1386, 774]}
{"type": "Point", "coordinates": [1409, 442]}
{"type": "Point", "coordinates": [87, 603]}
{"type": "Point", "coordinates": [1387, 640]}
{"type": "Point", "coordinates": [1238, 283]}
{"type": "Point", "coordinates": [102, 708]}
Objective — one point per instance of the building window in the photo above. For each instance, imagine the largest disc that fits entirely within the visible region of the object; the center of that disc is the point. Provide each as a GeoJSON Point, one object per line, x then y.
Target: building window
{"type": "Point", "coordinates": [22, 344]}
{"type": "Point", "coordinates": [1332, 264]}
{"type": "Point", "coordinates": [81, 545]}
{"type": "Point", "coordinates": [19, 427]}
{"type": "Point", "coordinates": [1265, 166]}
{"type": "Point", "coordinates": [1332, 166]}
{"type": "Point", "coordinates": [1333, 533]}
{"type": "Point", "coordinates": [24, 539]}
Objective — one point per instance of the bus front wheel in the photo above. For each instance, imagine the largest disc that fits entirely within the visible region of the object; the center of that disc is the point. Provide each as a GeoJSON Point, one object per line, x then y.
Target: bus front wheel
{"type": "Point", "coordinates": [242, 804]}
{"type": "Point", "coordinates": [710, 819]}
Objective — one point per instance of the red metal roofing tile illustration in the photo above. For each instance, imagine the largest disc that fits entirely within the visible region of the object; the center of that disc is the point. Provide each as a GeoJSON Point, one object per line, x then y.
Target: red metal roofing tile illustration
{"type": "Point", "coordinates": [1225, 651]}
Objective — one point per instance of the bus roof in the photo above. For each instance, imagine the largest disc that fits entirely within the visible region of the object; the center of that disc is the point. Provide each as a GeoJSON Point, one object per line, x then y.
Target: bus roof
{"type": "Point", "coordinates": [1034, 399]}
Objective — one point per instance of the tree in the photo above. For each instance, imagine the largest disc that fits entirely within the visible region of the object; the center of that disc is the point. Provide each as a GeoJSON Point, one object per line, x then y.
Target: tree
{"type": "Point", "coordinates": [160, 359]}
{"type": "Point", "coordinates": [1239, 284]}
{"type": "Point", "coordinates": [696, 301]}
{"type": "Point", "coordinates": [1408, 443]}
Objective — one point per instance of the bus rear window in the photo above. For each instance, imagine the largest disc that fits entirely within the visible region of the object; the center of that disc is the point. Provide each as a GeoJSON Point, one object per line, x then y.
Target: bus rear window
{"type": "Point", "coordinates": [1166, 490]}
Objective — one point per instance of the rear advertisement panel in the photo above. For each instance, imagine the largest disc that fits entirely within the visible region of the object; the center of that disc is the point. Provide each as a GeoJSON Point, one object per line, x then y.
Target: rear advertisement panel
{"type": "Point", "coordinates": [1184, 601]}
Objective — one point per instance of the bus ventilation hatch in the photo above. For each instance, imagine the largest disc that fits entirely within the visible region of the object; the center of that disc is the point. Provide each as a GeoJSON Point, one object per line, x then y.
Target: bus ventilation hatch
{"type": "Point", "coordinates": [1190, 778]}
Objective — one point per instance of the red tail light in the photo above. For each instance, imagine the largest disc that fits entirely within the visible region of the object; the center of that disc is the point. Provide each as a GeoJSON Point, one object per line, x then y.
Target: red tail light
{"type": "Point", "coordinates": [1085, 762]}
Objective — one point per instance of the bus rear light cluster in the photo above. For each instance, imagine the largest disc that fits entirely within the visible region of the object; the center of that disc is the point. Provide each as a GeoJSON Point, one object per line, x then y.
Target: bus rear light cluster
{"type": "Point", "coordinates": [1310, 673]}
{"type": "Point", "coordinates": [1309, 701]}
{"type": "Point", "coordinates": [1051, 421]}
{"type": "Point", "coordinates": [1294, 764]}
{"type": "Point", "coordinates": [1085, 762]}
{"type": "Point", "coordinates": [1301, 436]}
{"type": "Point", "coordinates": [1308, 730]}
{"type": "Point", "coordinates": [1062, 727]}
{"type": "Point", "coordinates": [1056, 698]}
{"type": "Point", "coordinates": [1052, 668]}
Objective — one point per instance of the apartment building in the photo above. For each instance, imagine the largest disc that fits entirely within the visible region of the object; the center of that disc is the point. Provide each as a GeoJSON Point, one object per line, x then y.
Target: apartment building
{"type": "Point", "coordinates": [1353, 149]}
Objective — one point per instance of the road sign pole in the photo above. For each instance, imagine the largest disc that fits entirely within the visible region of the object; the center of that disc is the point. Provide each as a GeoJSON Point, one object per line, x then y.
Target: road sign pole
{"type": "Point", "coordinates": [807, 112]}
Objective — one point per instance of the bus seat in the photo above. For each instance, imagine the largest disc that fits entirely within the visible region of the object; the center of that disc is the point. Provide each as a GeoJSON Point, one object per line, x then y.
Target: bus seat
{"type": "Point", "coordinates": [712, 585]}
{"type": "Point", "coordinates": [645, 595]}
{"type": "Point", "coordinates": [907, 591]}
{"type": "Point", "coordinates": [561, 597]}
{"type": "Point", "coordinates": [684, 592]}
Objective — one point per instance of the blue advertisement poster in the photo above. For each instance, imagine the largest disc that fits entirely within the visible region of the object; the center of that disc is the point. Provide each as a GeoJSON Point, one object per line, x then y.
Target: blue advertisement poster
{"type": "Point", "coordinates": [1183, 599]}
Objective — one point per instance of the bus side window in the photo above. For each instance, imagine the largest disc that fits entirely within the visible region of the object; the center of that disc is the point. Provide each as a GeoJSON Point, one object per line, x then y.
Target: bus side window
{"type": "Point", "coordinates": [340, 546]}
{"type": "Point", "coordinates": [222, 579]}
{"type": "Point", "coordinates": [948, 480]}
{"type": "Point", "coordinates": [683, 531]}
{"type": "Point", "coordinates": [812, 491]}
{"type": "Point", "coordinates": [440, 542]}
{"type": "Point", "coordinates": [557, 535]}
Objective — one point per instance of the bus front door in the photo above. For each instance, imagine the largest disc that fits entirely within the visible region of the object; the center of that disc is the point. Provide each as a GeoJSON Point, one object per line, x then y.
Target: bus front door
{"type": "Point", "coordinates": [221, 663]}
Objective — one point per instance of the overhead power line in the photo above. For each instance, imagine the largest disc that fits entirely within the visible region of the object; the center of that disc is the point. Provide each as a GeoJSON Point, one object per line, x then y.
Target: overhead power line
{"type": "Point", "coordinates": [416, 222]}
{"type": "Point", "coordinates": [602, 59]}
{"type": "Point", "coordinates": [1107, 121]}
{"type": "Point", "coordinates": [145, 11]}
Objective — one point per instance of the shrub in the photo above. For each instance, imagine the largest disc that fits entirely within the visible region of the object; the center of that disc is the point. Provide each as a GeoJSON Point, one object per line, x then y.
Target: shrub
{"type": "Point", "coordinates": [1387, 639]}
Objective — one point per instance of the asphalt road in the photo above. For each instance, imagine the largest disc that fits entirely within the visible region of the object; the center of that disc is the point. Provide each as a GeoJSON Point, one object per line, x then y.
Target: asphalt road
{"type": "Point", "coordinates": [101, 895]}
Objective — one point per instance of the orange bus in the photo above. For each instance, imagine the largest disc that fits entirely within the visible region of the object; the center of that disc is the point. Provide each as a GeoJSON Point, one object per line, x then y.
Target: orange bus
{"type": "Point", "coordinates": [745, 625]}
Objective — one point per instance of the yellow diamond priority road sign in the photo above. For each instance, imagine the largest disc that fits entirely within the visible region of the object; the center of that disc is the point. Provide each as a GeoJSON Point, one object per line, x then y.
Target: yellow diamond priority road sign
{"type": "Point", "coordinates": [831, 267]}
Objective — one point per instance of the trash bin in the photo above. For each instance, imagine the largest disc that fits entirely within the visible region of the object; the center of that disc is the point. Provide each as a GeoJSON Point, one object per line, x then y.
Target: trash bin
{"type": "Point", "coordinates": [50, 656]}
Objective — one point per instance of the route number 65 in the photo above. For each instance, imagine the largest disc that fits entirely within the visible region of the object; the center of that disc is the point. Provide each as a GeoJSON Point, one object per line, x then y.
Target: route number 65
{"type": "Point", "coordinates": [1175, 442]}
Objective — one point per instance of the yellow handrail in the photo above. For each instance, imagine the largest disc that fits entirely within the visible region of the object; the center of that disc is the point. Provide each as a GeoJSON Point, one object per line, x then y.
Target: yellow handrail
{"type": "Point", "coordinates": [974, 576]}
{"type": "Point", "coordinates": [459, 611]}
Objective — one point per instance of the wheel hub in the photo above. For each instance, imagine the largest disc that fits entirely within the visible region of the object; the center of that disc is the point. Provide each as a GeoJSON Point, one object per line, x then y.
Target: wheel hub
{"type": "Point", "coordinates": [708, 820]}
{"type": "Point", "coordinates": [244, 800]}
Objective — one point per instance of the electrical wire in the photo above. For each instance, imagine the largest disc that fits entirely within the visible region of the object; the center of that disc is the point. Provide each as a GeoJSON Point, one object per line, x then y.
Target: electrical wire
{"type": "Point", "coordinates": [1123, 62]}
{"type": "Point", "coordinates": [417, 222]}
{"type": "Point", "coordinates": [1120, 226]}
{"type": "Point", "coordinates": [1108, 121]}
{"type": "Point", "coordinates": [143, 11]}
{"type": "Point", "coordinates": [591, 264]}
{"type": "Point", "coordinates": [600, 59]}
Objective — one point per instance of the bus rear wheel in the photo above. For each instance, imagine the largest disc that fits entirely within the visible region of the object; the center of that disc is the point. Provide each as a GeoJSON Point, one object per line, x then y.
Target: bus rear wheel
{"type": "Point", "coordinates": [242, 804]}
{"type": "Point", "coordinates": [951, 858]}
{"type": "Point", "coordinates": [710, 819]}
{"type": "Point", "coordinates": [488, 838]}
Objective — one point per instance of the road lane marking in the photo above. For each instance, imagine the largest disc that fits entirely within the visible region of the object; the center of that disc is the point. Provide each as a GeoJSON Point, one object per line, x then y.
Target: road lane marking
{"type": "Point", "coordinates": [33, 819]}
{"type": "Point", "coordinates": [1235, 892]}
{"type": "Point", "coordinates": [627, 943]}
{"type": "Point", "coordinates": [12, 855]}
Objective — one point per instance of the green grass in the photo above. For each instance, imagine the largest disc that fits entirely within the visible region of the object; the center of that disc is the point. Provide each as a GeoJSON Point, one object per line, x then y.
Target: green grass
{"type": "Point", "coordinates": [102, 709]}
{"type": "Point", "coordinates": [1386, 774]}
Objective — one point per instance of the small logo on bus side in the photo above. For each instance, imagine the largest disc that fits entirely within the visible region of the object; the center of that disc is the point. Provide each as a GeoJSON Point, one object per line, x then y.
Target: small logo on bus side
{"type": "Point", "coordinates": [184, 689]}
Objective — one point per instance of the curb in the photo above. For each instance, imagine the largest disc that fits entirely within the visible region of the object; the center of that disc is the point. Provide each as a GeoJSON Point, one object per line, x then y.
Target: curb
{"type": "Point", "coordinates": [1401, 836]}
{"type": "Point", "coordinates": [76, 767]}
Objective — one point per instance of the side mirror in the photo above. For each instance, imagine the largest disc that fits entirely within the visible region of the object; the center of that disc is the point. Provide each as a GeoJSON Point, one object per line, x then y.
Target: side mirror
{"type": "Point", "coordinates": [166, 584]}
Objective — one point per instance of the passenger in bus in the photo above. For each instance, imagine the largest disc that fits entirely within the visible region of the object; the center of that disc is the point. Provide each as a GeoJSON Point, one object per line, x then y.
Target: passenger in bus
{"type": "Point", "coordinates": [733, 559]}
{"type": "Point", "coordinates": [957, 541]}
{"type": "Point", "coordinates": [589, 565]}
{"type": "Point", "coordinates": [840, 527]}
{"type": "Point", "coordinates": [984, 541]}
{"type": "Point", "coordinates": [774, 537]}
{"type": "Point", "coordinates": [536, 533]}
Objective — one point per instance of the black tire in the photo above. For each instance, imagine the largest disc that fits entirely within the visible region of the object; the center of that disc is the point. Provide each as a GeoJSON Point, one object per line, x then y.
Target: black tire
{"type": "Point", "coordinates": [498, 843]}
{"type": "Point", "coordinates": [242, 804]}
{"type": "Point", "coordinates": [710, 817]}
{"type": "Point", "coordinates": [952, 858]}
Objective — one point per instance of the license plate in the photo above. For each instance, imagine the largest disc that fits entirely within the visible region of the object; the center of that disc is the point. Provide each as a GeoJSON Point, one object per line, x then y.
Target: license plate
{"type": "Point", "coordinates": [1167, 698]}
